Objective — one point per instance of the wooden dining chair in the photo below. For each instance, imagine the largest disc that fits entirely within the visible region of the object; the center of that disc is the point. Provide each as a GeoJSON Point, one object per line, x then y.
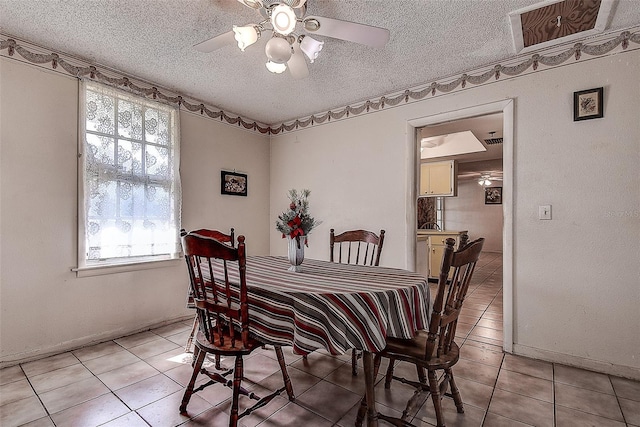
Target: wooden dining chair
{"type": "Point", "coordinates": [223, 312]}
{"type": "Point", "coordinates": [359, 247]}
{"type": "Point", "coordinates": [221, 237]}
{"type": "Point", "coordinates": [433, 350]}
{"type": "Point", "coordinates": [356, 247]}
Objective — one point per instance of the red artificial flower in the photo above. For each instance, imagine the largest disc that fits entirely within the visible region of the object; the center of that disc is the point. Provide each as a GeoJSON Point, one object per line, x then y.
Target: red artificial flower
{"type": "Point", "coordinates": [295, 222]}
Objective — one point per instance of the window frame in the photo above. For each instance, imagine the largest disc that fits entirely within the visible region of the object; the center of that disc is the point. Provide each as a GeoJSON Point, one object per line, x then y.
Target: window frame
{"type": "Point", "coordinates": [86, 267]}
{"type": "Point", "coordinates": [439, 207]}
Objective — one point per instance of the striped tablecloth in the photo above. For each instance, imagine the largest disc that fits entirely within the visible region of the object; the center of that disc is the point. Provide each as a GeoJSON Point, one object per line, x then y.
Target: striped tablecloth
{"type": "Point", "coordinates": [333, 306]}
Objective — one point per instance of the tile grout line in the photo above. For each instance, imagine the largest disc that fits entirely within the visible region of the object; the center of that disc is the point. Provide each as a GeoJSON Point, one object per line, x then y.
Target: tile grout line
{"type": "Point", "coordinates": [37, 394]}
{"type": "Point", "coordinates": [493, 390]}
{"type": "Point", "coordinates": [615, 393]}
{"type": "Point", "coordinates": [553, 394]}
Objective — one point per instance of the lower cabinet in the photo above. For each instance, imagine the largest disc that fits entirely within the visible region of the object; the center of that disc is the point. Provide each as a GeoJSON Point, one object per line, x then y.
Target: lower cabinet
{"type": "Point", "coordinates": [422, 255]}
{"type": "Point", "coordinates": [437, 243]}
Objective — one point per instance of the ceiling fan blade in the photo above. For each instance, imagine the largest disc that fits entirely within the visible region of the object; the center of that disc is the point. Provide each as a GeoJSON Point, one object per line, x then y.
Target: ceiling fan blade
{"type": "Point", "coordinates": [297, 64]}
{"type": "Point", "coordinates": [345, 30]}
{"type": "Point", "coordinates": [216, 42]}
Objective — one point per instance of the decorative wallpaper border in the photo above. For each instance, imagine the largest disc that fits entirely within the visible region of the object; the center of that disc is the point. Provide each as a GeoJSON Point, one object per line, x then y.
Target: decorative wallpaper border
{"type": "Point", "coordinates": [532, 62]}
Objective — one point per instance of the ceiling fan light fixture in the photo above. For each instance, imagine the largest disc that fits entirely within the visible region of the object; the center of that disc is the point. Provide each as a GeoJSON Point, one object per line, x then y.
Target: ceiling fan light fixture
{"type": "Point", "coordinates": [311, 47]}
{"type": "Point", "coordinates": [276, 68]}
{"type": "Point", "coordinates": [283, 19]}
{"type": "Point", "coordinates": [246, 36]}
{"type": "Point", "coordinates": [311, 24]}
{"type": "Point", "coordinates": [253, 4]}
{"type": "Point", "coordinates": [278, 50]}
{"type": "Point", "coordinates": [296, 4]}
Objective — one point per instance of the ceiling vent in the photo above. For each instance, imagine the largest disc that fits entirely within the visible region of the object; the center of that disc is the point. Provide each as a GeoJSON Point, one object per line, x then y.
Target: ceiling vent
{"type": "Point", "coordinates": [492, 141]}
{"type": "Point", "coordinates": [558, 21]}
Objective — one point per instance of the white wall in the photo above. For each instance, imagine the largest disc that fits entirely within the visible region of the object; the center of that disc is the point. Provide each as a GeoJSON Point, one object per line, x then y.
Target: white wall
{"type": "Point", "coordinates": [468, 212]}
{"type": "Point", "coordinates": [44, 307]}
{"type": "Point", "coordinates": [209, 147]}
{"type": "Point", "coordinates": [354, 177]}
{"type": "Point", "coordinates": [576, 277]}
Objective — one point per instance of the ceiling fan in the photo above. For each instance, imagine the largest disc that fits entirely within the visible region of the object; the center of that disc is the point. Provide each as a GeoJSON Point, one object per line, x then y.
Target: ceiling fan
{"type": "Point", "coordinates": [286, 48]}
{"type": "Point", "coordinates": [487, 179]}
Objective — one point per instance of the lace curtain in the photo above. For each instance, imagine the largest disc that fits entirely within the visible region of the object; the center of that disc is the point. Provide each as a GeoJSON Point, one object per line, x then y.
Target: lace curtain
{"type": "Point", "coordinates": [130, 176]}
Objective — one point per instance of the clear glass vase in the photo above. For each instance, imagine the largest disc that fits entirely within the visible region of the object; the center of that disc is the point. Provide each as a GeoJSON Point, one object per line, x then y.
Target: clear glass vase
{"type": "Point", "coordinates": [296, 252]}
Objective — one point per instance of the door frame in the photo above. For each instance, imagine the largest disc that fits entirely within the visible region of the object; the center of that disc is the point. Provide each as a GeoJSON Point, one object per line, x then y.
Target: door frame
{"type": "Point", "coordinates": [506, 107]}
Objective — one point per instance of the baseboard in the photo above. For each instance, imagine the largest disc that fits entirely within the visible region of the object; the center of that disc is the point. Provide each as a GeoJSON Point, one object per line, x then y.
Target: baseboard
{"type": "Point", "coordinates": [578, 362]}
{"type": "Point", "coordinates": [75, 344]}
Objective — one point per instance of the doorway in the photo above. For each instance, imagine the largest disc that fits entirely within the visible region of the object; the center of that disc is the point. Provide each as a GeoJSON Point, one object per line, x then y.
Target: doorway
{"type": "Point", "coordinates": [506, 109]}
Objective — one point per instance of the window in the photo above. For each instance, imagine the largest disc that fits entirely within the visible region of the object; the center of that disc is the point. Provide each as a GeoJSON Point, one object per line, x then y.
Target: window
{"type": "Point", "coordinates": [440, 212]}
{"type": "Point", "coordinates": [130, 188]}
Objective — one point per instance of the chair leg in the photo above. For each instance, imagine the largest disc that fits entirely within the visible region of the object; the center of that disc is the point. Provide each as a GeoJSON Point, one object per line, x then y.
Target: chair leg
{"type": "Point", "coordinates": [354, 362]}
{"type": "Point", "coordinates": [377, 359]}
{"type": "Point", "coordinates": [238, 372]}
{"type": "Point", "coordinates": [196, 351]}
{"type": "Point", "coordinates": [434, 388]}
{"type": "Point", "coordinates": [389, 376]}
{"type": "Point", "coordinates": [285, 374]}
{"type": "Point", "coordinates": [197, 365]}
{"type": "Point", "coordinates": [194, 328]}
{"type": "Point", "coordinates": [457, 398]}
{"type": "Point", "coordinates": [422, 377]}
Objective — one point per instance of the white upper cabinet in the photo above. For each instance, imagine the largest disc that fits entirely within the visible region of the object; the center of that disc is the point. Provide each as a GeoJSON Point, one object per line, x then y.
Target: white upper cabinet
{"type": "Point", "coordinates": [439, 179]}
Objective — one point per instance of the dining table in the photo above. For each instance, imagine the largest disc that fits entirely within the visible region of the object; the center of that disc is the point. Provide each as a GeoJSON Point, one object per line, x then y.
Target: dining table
{"type": "Point", "coordinates": [333, 306]}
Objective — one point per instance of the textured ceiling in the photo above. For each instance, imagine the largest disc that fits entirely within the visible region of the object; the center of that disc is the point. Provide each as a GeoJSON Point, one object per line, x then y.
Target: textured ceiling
{"type": "Point", "coordinates": [153, 40]}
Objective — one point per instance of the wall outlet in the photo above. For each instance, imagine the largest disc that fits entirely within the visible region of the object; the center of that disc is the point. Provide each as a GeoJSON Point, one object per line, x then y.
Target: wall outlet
{"type": "Point", "coordinates": [544, 212]}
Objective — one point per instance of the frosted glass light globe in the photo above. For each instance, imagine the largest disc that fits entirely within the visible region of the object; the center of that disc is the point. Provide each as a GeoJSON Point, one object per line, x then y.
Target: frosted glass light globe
{"type": "Point", "coordinates": [283, 19]}
{"type": "Point", "coordinates": [278, 50]}
{"type": "Point", "coordinates": [275, 67]}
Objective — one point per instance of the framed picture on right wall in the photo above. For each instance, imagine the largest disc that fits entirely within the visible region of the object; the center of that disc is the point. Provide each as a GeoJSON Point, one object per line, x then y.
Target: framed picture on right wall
{"type": "Point", "coordinates": [493, 195]}
{"type": "Point", "coordinates": [587, 104]}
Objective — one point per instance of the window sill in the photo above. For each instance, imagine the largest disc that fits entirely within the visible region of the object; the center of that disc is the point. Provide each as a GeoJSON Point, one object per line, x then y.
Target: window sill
{"type": "Point", "coordinates": [100, 270]}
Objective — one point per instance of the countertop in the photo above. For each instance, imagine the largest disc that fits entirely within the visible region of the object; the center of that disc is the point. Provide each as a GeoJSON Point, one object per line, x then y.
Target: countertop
{"type": "Point", "coordinates": [427, 232]}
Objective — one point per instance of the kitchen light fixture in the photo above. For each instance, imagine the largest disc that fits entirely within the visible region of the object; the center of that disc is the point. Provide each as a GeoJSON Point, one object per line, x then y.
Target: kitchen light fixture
{"type": "Point", "coordinates": [451, 144]}
{"type": "Point", "coordinates": [484, 182]}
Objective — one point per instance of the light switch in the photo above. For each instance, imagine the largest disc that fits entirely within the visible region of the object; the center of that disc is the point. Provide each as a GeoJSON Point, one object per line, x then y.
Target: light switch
{"type": "Point", "coordinates": [544, 212]}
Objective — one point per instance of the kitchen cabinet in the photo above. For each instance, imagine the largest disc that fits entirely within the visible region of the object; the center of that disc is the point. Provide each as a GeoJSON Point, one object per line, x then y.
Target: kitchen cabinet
{"type": "Point", "coordinates": [435, 244]}
{"type": "Point", "coordinates": [439, 179]}
{"type": "Point", "coordinates": [422, 251]}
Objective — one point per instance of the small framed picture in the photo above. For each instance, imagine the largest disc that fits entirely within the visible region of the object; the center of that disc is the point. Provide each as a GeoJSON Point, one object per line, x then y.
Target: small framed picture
{"type": "Point", "coordinates": [587, 104]}
{"type": "Point", "coordinates": [493, 195]}
{"type": "Point", "coordinates": [233, 183]}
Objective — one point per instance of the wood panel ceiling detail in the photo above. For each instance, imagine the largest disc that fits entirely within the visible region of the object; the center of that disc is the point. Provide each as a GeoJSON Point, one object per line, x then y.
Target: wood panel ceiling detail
{"type": "Point", "coordinates": [559, 20]}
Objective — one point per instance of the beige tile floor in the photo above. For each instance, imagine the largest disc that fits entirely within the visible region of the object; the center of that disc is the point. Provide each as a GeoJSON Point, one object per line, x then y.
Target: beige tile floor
{"type": "Point", "coordinates": [138, 380]}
